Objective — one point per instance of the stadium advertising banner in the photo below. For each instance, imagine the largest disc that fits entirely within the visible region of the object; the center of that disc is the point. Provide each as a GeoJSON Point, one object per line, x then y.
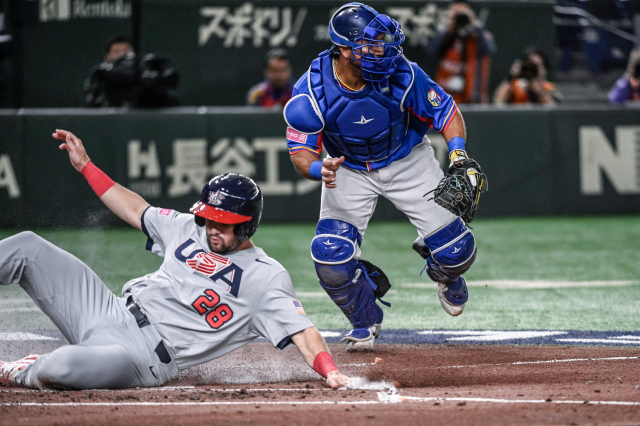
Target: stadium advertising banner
{"type": "Point", "coordinates": [11, 171]}
{"type": "Point", "coordinates": [539, 161]}
{"type": "Point", "coordinates": [218, 46]}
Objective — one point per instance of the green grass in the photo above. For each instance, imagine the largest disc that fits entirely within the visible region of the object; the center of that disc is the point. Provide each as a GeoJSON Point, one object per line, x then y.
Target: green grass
{"type": "Point", "coordinates": [555, 249]}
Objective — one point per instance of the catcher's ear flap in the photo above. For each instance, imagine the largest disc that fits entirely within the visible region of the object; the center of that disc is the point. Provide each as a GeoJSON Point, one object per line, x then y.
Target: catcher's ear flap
{"type": "Point", "coordinates": [200, 221]}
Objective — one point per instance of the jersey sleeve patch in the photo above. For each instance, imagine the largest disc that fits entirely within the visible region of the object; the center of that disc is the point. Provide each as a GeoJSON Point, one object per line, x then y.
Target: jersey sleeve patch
{"type": "Point", "coordinates": [434, 98]}
{"type": "Point", "coordinates": [164, 212]}
{"type": "Point", "coordinates": [312, 143]}
{"type": "Point", "coordinates": [296, 136]}
{"type": "Point", "coordinates": [299, 307]}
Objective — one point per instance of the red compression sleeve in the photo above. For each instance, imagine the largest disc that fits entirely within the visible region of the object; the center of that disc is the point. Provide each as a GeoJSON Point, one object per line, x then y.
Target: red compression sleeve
{"type": "Point", "coordinates": [98, 180]}
{"type": "Point", "coordinates": [323, 364]}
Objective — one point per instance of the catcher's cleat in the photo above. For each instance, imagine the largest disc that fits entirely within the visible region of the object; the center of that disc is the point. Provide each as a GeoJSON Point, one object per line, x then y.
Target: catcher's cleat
{"type": "Point", "coordinates": [453, 296]}
{"type": "Point", "coordinates": [9, 370]}
{"type": "Point", "coordinates": [362, 339]}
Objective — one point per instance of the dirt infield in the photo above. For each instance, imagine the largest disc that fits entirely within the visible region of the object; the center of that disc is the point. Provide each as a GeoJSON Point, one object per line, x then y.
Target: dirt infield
{"type": "Point", "coordinates": [434, 384]}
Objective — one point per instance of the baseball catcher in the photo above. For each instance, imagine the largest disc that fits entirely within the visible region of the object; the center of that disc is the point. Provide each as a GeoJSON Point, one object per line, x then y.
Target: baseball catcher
{"type": "Point", "coordinates": [370, 108]}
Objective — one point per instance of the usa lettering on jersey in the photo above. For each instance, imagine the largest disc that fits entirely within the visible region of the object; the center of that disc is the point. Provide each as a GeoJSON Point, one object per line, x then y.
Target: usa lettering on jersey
{"type": "Point", "coordinates": [212, 265]}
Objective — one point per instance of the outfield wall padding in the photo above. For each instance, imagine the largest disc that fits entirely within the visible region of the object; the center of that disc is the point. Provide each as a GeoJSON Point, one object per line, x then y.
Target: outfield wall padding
{"type": "Point", "coordinates": [539, 161]}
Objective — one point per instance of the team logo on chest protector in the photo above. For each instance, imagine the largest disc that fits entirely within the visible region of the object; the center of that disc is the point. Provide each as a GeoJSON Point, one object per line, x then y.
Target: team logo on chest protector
{"type": "Point", "coordinates": [351, 119]}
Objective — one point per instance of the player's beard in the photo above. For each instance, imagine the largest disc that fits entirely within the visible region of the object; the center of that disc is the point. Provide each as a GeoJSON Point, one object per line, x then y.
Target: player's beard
{"type": "Point", "coordinates": [355, 67]}
{"type": "Point", "coordinates": [222, 247]}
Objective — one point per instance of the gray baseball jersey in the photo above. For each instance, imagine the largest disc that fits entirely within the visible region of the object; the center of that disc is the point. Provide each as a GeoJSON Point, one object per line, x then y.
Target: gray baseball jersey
{"type": "Point", "coordinates": [205, 305]}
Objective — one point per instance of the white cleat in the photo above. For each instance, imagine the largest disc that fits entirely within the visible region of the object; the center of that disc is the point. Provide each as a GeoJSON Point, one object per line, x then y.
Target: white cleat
{"type": "Point", "coordinates": [9, 370]}
{"type": "Point", "coordinates": [451, 309]}
{"type": "Point", "coordinates": [362, 339]}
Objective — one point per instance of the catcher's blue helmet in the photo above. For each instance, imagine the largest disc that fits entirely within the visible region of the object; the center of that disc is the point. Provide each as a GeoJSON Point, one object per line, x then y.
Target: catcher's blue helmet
{"type": "Point", "coordinates": [374, 39]}
{"type": "Point", "coordinates": [231, 198]}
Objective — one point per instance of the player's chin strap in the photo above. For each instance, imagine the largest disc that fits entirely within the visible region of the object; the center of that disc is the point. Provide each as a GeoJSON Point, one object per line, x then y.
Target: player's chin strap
{"type": "Point", "coordinates": [362, 270]}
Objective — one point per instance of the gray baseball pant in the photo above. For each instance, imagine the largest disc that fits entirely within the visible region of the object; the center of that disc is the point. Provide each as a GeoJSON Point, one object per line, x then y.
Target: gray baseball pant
{"type": "Point", "coordinates": [404, 182]}
{"type": "Point", "coordinates": [108, 349]}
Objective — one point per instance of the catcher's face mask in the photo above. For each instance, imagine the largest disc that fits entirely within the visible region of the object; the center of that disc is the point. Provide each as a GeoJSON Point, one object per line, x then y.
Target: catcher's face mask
{"type": "Point", "coordinates": [379, 51]}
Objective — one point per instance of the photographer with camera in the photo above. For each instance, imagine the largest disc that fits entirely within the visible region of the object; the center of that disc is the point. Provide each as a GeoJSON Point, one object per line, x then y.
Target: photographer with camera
{"type": "Point", "coordinates": [627, 88]}
{"type": "Point", "coordinates": [121, 81]}
{"type": "Point", "coordinates": [527, 81]}
{"type": "Point", "coordinates": [464, 52]}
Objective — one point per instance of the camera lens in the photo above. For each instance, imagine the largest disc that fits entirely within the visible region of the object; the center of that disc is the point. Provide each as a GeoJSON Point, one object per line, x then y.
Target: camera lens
{"type": "Point", "coordinates": [461, 20]}
{"type": "Point", "coordinates": [529, 70]}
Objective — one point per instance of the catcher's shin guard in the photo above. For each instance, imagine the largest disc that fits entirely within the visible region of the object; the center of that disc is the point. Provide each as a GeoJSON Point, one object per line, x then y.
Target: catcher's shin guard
{"type": "Point", "coordinates": [450, 252]}
{"type": "Point", "coordinates": [345, 280]}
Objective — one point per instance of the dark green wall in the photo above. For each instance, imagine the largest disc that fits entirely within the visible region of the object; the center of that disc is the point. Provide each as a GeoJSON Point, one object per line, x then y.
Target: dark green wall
{"type": "Point", "coordinates": [57, 54]}
{"type": "Point", "coordinates": [539, 161]}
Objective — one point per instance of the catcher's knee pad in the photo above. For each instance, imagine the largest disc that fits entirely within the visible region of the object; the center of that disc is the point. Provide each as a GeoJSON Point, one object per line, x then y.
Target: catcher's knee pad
{"type": "Point", "coordinates": [452, 251]}
{"type": "Point", "coordinates": [344, 278]}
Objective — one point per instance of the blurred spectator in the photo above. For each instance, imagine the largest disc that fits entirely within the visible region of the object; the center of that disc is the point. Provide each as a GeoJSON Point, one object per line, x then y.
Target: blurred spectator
{"type": "Point", "coordinates": [627, 86]}
{"type": "Point", "coordinates": [277, 87]}
{"type": "Point", "coordinates": [121, 81]}
{"type": "Point", "coordinates": [464, 51]}
{"type": "Point", "coordinates": [527, 81]}
{"type": "Point", "coordinates": [116, 47]}
{"type": "Point", "coordinates": [119, 55]}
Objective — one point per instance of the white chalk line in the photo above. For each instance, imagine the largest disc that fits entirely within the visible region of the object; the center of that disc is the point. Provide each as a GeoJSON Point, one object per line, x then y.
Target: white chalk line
{"type": "Point", "coordinates": [203, 403]}
{"type": "Point", "coordinates": [14, 301]}
{"type": "Point", "coordinates": [618, 341]}
{"type": "Point", "coordinates": [551, 361]}
{"type": "Point", "coordinates": [322, 294]}
{"type": "Point", "coordinates": [24, 335]}
{"type": "Point", "coordinates": [529, 284]}
{"type": "Point", "coordinates": [399, 398]}
{"type": "Point", "coordinates": [10, 310]}
{"type": "Point", "coordinates": [383, 398]}
{"type": "Point", "coordinates": [186, 389]}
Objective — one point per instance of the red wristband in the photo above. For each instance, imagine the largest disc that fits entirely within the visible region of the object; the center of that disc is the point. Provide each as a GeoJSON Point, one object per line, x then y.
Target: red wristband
{"type": "Point", "coordinates": [98, 180]}
{"type": "Point", "coordinates": [323, 364]}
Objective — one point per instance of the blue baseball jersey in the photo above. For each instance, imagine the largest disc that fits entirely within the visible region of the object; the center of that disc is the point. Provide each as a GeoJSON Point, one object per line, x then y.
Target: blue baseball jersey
{"type": "Point", "coordinates": [370, 129]}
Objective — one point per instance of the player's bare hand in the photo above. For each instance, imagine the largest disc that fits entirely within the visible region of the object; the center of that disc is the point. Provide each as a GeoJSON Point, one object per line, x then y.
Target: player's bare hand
{"type": "Point", "coordinates": [329, 168]}
{"type": "Point", "coordinates": [73, 145]}
{"type": "Point", "coordinates": [335, 379]}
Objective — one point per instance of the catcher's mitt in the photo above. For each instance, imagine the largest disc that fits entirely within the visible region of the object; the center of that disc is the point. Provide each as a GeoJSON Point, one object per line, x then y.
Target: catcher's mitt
{"type": "Point", "coordinates": [459, 191]}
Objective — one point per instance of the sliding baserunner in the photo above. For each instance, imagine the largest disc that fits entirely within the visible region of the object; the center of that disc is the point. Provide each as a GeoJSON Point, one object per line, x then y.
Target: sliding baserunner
{"type": "Point", "coordinates": [215, 292]}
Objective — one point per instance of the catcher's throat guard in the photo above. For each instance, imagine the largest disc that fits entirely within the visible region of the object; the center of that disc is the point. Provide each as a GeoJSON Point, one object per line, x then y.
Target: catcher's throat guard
{"type": "Point", "coordinates": [459, 191]}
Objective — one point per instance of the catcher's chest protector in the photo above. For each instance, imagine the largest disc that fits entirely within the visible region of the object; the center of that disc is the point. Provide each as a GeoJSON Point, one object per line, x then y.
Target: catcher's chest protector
{"type": "Point", "coordinates": [364, 125]}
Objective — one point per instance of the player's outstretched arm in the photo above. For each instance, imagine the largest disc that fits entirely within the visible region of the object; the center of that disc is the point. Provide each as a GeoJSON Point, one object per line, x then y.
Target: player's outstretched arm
{"type": "Point", "coordinates": [127, 205]}
{"type": "Point", "coordinates": [303, 162]}
{"type": "Point", "coordinates": [315, 352]}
